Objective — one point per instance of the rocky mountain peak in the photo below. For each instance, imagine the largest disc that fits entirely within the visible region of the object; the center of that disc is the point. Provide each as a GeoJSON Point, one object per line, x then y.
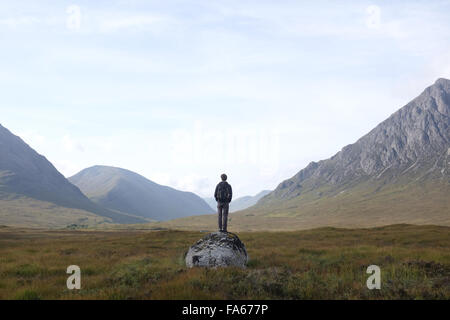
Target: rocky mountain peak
{"type": "Point", "coordinates": [415, 139]}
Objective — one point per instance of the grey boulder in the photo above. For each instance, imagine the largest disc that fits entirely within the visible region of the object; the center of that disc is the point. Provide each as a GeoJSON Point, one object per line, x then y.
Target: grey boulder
{"type": "Point", "coordinates": [217, 249]}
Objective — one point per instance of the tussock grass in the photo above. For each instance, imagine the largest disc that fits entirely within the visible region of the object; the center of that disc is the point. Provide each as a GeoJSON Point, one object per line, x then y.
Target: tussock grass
{"type": "Point", "coordinates": [324, 263]}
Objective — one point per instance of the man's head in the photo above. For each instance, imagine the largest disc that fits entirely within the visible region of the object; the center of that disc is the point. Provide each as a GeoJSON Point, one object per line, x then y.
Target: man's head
{"type": "Point", "coordinates": [223, 177]}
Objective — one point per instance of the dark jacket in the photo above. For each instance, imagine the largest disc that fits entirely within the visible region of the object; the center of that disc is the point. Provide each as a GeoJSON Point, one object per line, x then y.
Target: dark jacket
{"type": "Point", "coordinates": [223, 185]}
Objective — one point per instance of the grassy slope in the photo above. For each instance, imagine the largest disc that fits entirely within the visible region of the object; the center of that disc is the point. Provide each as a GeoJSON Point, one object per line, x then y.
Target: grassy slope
{"type": "Point", "coordinates": [365, 205]}
{"type": "Point", "coordinates": [312, 264]}
{"type": "Point", "coordinates": [23, 211]}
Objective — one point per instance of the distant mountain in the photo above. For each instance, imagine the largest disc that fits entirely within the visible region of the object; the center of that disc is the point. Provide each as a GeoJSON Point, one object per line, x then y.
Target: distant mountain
{"type": "Point", "coordinates": [125, 191]}
{"type": "Point", "coordinates": [415, 139]}
{"type": "Point", "coordinates": [397, 173]}
{"type": "Point", "coordinates": [409, 150]}
{"type": "Point", "coordinates": [211, 202]}
{"type": "Point", "coordinates": [30, 187]}
{"type": "Point", "coordinates": [239, 203]}
{"type": "Point", "coordinates": [247, 201]}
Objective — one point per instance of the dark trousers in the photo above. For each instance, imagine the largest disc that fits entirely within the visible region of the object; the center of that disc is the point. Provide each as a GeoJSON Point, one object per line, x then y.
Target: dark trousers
{"type": "Point", "coordinates": [222, 210]}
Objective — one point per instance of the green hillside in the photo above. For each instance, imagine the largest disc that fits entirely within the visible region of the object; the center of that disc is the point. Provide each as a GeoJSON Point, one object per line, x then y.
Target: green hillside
{"type": "Point", "coordinates": [21, 211]}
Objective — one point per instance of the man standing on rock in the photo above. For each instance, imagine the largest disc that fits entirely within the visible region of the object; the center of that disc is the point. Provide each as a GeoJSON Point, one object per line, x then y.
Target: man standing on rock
{"type": "Point", "coordinates": [223, 196]}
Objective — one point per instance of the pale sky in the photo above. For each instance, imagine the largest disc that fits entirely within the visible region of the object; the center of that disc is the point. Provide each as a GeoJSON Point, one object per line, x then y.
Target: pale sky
{"type": "Point", "coordinates": [182, 91]}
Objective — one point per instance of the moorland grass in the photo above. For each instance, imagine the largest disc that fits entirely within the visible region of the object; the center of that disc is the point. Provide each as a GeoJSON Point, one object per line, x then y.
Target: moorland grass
{"type": "Point", "coordinates": [326, 263]}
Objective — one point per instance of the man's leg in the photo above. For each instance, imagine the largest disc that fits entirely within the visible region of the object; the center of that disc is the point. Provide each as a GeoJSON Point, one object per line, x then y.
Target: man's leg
{"type": "Point", "coordinates": [225, 216]}
{"type": "Point", "coordinates": [219, 213]}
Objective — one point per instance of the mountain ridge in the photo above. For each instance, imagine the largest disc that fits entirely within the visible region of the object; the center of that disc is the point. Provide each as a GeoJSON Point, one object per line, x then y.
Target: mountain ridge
{"type": "Point", "coordinates": [127, 191]}
{"type": "Point", "coordinates": [407, 140]}
{"type": "Point", "coordinates": [24, 173]}
{"type": "Point", "coordinates": [240, 203]}
{"type": "Point", "coordinates": [245, 202]}
{"type": "Point", "coordinates": [399, 172]}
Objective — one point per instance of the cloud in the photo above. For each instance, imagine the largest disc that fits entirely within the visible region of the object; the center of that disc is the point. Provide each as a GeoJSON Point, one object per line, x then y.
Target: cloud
{"type": "Point", "coordinates": [205, 146]}
{"type": "Point", "coordinates": [19, 21]}
{"type": "Point", "coordinates": [71, 145]}
{"type": "Point", "coordinates": [93, 58]}
{"type": "Point", "coordinates": [73, 21]}
{"type": "Point", "coordinates": [67, 167]}
{"type": "Point", "coordinates": [34, 139]}
{"type": "Point", "coordinates": [135, 22]}
{"type": "Point", "coordinates": [198, 184]}
{"type": "Point", "coordinates": [320, 74]}
{"type": "Point", "coordinates": [194, 183]}
{"type": "Point", "coordinates": [92, 20]}
{"type": "Point", "coordinates": [373, 20]}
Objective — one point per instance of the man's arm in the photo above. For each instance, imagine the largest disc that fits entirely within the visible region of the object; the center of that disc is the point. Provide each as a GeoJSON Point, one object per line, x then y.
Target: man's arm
{"type": "Point", "coordinates": [230, 193]}
{"type": "Point", "coordinates": [215, 192]}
